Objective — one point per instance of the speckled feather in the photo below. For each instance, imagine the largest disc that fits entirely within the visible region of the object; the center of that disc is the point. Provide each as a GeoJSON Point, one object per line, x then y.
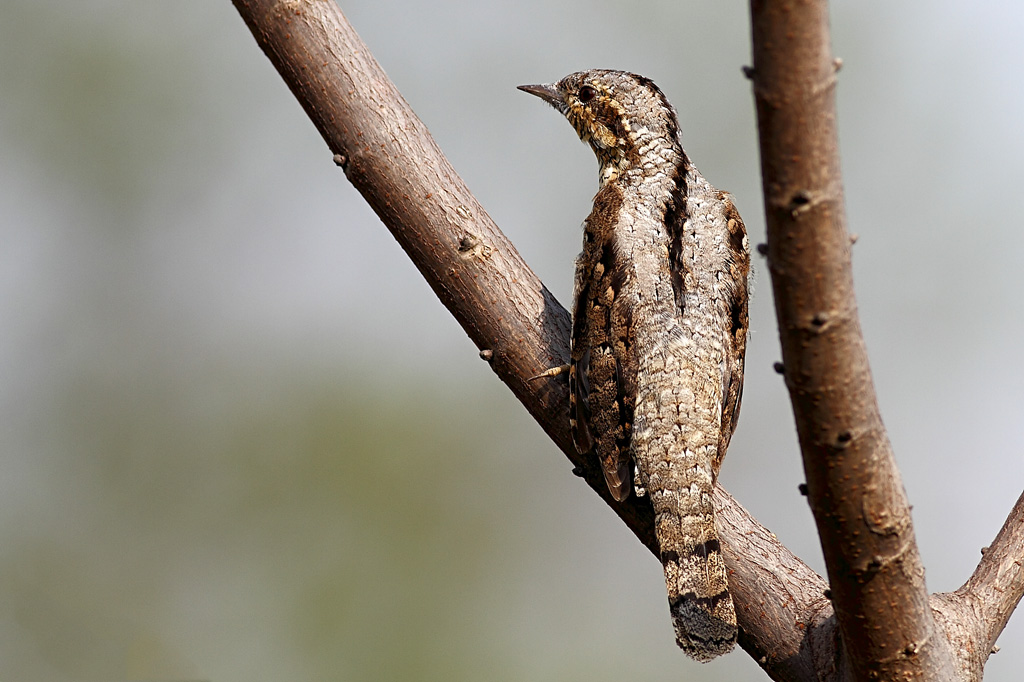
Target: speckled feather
{"type": "Point", "coordinates": [659, 334]}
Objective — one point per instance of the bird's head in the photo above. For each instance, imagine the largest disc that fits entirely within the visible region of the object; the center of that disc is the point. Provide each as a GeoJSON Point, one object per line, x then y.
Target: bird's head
{"type": "Point", "coordinates": [625, 118]}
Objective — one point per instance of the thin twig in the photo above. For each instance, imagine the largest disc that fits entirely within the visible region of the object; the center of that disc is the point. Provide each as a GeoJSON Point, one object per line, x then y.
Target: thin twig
{"type": "Point", "coordinates": [997, 585]}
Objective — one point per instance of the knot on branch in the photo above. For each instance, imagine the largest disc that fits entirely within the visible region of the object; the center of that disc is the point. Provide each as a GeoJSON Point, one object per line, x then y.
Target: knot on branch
{"type": "Point", "coordinates": [471, 246]}
{"type": "Point", "coordinates": [823, 320]}
{"type": "Point", "coordinates": [801, 202]}
{"type": "Point", "coordinates": [819, 321]}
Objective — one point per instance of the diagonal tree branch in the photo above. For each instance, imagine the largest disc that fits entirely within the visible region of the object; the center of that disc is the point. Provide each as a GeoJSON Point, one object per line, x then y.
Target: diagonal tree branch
{"type": "Point", "coordinates": [997, 584]}
{"type": "Point", "coordinates": [975, 614]}
{"type": "Point", "coordinates": [787, 623]}
{"type": "Point", "coordinates": [854, 487]}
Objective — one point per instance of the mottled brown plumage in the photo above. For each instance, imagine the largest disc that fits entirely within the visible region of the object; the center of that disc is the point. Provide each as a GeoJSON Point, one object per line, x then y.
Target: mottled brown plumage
{"type": "Point", "coordinates": [659, 334]}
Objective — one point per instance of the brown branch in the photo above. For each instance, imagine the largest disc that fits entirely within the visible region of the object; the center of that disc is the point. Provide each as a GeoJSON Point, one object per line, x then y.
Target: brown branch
{"type": "Point", "coordinates": [786, 621]}
{"type": "Point", "coordinates": [854, 487]}
{"type": "Point", "coordinates": [975, 614]}
{"type": "Point", "coordinates": [998, 583]}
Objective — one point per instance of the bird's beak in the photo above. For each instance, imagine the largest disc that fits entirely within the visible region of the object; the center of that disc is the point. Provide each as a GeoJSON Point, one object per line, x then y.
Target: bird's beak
{"type": "Point", "coordinates": [547, 92]}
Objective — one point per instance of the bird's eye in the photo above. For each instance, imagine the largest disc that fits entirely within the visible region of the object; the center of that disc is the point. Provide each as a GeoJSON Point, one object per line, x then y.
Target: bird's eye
{"type": "Point", "coordinates": [587, 93]}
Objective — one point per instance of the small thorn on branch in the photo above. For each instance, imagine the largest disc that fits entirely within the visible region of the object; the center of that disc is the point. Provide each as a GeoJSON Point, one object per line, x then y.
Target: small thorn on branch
{"type": "Point", "coordinates": [748, 72]}
{"type": "Point", "coordinates": [340, 160]}
{"type": "Point", "coordinates": [779, 368]}
{"type": "Point", "coordinates": [837, 64]}
{"type": "Point", "coordinates": [803, 489]}
{"type": "Point", "coordinates": [762, 249]}
{"type": "Point", "coordinates": [487, 354]}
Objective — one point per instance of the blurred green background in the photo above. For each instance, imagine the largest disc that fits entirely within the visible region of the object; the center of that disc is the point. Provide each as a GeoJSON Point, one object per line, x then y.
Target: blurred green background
{"type": "Point", "coordinates": [241, 440]}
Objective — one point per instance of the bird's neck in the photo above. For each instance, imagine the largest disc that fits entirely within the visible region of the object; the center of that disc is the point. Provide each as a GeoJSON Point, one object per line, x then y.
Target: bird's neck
{"type": "Point", "coordinates": [644, 161]}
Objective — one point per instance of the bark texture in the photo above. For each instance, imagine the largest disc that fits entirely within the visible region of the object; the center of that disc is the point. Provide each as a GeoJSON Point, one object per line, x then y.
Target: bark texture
{"type": "Point", "coordinates": [854, 487]}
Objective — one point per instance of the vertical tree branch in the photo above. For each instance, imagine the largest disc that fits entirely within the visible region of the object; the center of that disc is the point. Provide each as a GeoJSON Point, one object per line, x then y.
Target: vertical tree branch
{"type": "Point", "coordinates": [854, 487]}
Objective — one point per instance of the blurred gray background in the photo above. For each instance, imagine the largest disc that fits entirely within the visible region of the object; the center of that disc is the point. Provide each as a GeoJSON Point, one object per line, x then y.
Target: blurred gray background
{"type": "Point", "coordinates": [240, 439]}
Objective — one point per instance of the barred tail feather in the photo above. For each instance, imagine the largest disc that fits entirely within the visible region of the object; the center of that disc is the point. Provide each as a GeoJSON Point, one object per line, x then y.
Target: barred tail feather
{"type": "Point", "coordinates": [702, 614]}
{"type": "Point", "coordinates": [696, 579]}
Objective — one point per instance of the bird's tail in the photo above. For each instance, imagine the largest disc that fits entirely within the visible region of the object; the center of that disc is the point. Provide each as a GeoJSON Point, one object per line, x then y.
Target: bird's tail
{"type": "Point", "coordinates": [695, 575]}
{"type": "Point", "coordinates": [676, 440]}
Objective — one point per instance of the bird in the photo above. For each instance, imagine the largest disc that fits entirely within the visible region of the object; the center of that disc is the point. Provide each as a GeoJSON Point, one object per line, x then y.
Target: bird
{"type": "Point", "coordinates": [659, 334]}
